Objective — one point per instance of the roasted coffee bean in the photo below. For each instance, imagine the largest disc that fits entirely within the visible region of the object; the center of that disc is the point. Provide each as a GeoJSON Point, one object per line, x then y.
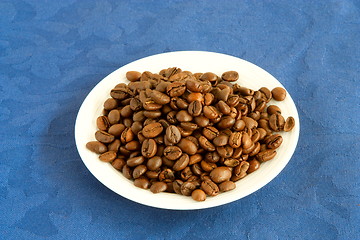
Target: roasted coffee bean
{"type": "Point", "coordinates": [227, 186]}
{"type": "Point", "coordinates": [195, 97]}
{"type": "Point", "coordinates": [149, 148]}
{"type": "Point", "coordinates": [108, 156]}
{"type": "Point", "coordinates": [183, 116]}
{"type": "Point", "coordinates": [212, 157]}
{"type": "Point", "coordinates": [265, 93]}
{"type": "Point", "coordinates": [266, 155]}
{"type": "Point", "coordinates": [181, 103]}
{"type": "Point", "coordinates": [127, 122]}
{"type": "Point", "coordinates": [103, 123]}
{"type": "Point", "coordinates": [208, 99]}
{"type": "Point", "coordinates": [118, 163]}
{"type": "Point", "coordinates": [133, 76]}
{"type": "Point", "coordinates": [210, 112]}
{"type": "Point", "coordinates": [110, 104]}
{"type": "Point", "coordinates": [139, 171]}
{"type": "Point", "coordinates": [195, 159]}
{"type": "Point", "coordinates": [142, 182]}
{"type": "Point", "coordinates": [206, 144]}
{"type": "Point", "coordinates": [189, 126]}
{"type": "Point", "coordinates": [239, 171]}
{"type": "Point", "coordinates": [289, 124]}
{"type": "Point", "coordinates": [194, 86]}
{"type": "Point", "coordinates": [273, 141]}
{"type": "Point", "coordinates": [273, 109]}
{"type": "Point", "coordinates": [195, 108]}
{"type": "Point", "coordinates": [177, 186]}
{"type": "Point", "coordinates": [157, 187]}
{"type": "Point", "coordinates": [171, 117]}
{"type": "Point", "coordinates": [198, 195]}
{"type": "Point", "coordinates": [150, 105]}
{"type": "Point", "coordinates": [127, 172]}
{"type": "Point", "coordinates": [278, 93]}
{"type": "Point", "coordinates": [126, 112]}
{"type": "Point", "coordinates": [173, 134]}
{"type": "Point", "coordinates": [207, 166]}
{"type": "Point", "coordinates": [221, 140]}
{"type": "Point", "coordinates": [152, 130]}
{"type": "Point", "coordinates": [136, 127]}
{"type": "Point", "coordinates": [96, 147]}
{"type": "Point", "coordinates": [231, 162]}
{"type": "Point", "coordinates": [172, 152]}
{"type": "Point", "coordinates": [187, 146]}
{"type": "Point", "coordinates": [264, 124]}
{"type": "Point", "coordinates": [256, 149]}
{"type": "Point", "coordinates": [176, 89]}
{"type": "Point", "coordinates": [159, 97]}
{"type": "Point", "coordinates": [246, 141]}
{"type": "Point", "coordinates": [181, 77]}
{"type": "Point", "coordinates": [223, 107]}
{"type": "Point", "coordinates": [237, 153]}
{"type": "Point", "coordinates": [169, 71]}
{"type": "Point", "coordinates": [139, 116]}
{"type": "Point", "coordinates": [186, 174]}
{"type": "Point", "coordinates": [225, 151]}
{"type": "Point", "coordinates": [135, 104]}
{"type": "Point", "coordinates": [230, 76]}
{"type": "Point", "coordinates": [253, 166]}
{"type": "Point", "coordinates": [249, 149]}
{"type": "Point", "coordinates": [187, 188]}
{"type": "Point", "coordinates": [119, 93]}
{"type": "Point", "coordinates": [104, 137]}
{"type": "Point", "coordinates": [154, 163]}
{"type": "Point", "coordinates": [249, 122]}
{"type": "Point", "coordinates": [209, 76]}
{"type": "Point", "coordinates": [210, 132]}
{"type": "Point", "coordinates": [239, 125]}
{"type": "Point", "coordinates": [196, 169]}
{"type": "Point", "coordinates": [276, 122]}
{"type": "Point", "coordinates": [245, 91]}
{"type": "Point", "coordinates": [152, 114]}
{"type": "Point", "coordinates": [114, 146]}
{"type": "Point", "coordinates": [127, 135]}
{"type": "Point", "coordinates": [133, 146]}
{"type": "Point", "coordinates": [181, 163]}
{"type": "Point", "coordinates": [167, 175]}
{"type": "Point", "coordinates": [135, 161]}
{"type": "Point", "coordinates": [153, 174]}
{"type": "Point", "coordinates": [235, 139]}
{"type": "Point", "coordinates": [255, 135]}
{"type": "Point", "coordinates": [226, 122]}
{"type": "Point", "coordinates": [210, 188]}
{"type": "Point", "coordinates": [202, 121]}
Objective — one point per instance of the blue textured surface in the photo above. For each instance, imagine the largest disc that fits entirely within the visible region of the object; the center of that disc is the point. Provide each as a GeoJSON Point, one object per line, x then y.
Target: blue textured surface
{"type": "Point", "coordinates": [52, 53]}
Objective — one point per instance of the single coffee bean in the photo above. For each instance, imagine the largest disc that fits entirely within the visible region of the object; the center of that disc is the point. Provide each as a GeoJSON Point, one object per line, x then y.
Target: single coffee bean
{"type": "Point", "coordinates": [176, 89]}
{"type": "Point", "coordinates": [195, 97]}
{"type": "Point", "coordinates": [118, 163]}
{"type": "Point", "coordinates": [119, 93]}
{"type": "Point", "coordinates": [159, 97]}
{"type": "Point", "coordinates": [230, 76]}
{"type": "Point", "coordinates": [253, 166]}
{"type": "Point", "coordinates": [207, 166]}
{"type": "Point", "coordinates": [135, 104]}
{"type": "Point", "coordinates": [249, 149]}
{"type": "Point", "coordinates": [210, 112]}
{"type": "Point", "coordinates": [173, 134]}
{"type": "Point", "coordinates": [239, 171]}
{"type": "Point", "coordinates": [127, 135]}
{"type": "Point", "coordinates": [187, 188]}
{"type": "Point", "coordinates": [104, 137]}
{"type": "Point", "coordinates": [189, 126]}
{"type": "Point", "coordinates": [231, 162]}
{"type": "Point", "coordinates": [172, 152]}
{"type": "Point", "coordinates": [96, 147]}
{"type": "Point", "coordinates": [210, 132]}
{"type": "Point", "coordinates": [127, 122]}
{"type": "Point", "coordinates": [110, 104]}
{"type": "Point", "coordinates": [209, 76]}
{"type": "Point", "coordinates": [133, 76]}
{"type": "Point", "coordinates": [194, 86]}
{"type": "Point", "coordinates": [196, 169]}
{"type": "Point", "coordinates": [152, 130]}
{"type": "Point", "coordinates": [256, 150]}
{"type": "Point", "coordinates": [273, 141]}
{"type": "Point", "coordinates": [246, 141]}
{"type": "Point", "coordinates": [221, 140]}
{"type": "Point", "coordinates": [266, 155]}
{"type": "Point", "coordinates": [266, 94]}
{"type": "Point", "coordinates": [187, 146]}
{"type": "Point", "coordinates": [212, 157]}
{"type": "Point", "coordinates": [169, 72]}
{"type": "Point", "coordinates": [206, 144]}
{"type": "Point", "coordinates": [289, 124]}
{"type": "Point", "coordinates": [264, 124]}
{"type": "Point", "coordinates": [153, 174]}
{"type": "Point", "coordinates": [103, 123]}
{"type": "Point", "coordinates": [108, 156]}
{"type": "Point", "coordinates": [262, 133]}
{"type": "Point", "coordinates": [150, 105]}
{"type": "Point", "coordinates": [132, 146]}
{"type": "Point", "coordinates": [198, 195]}
{"type": "Point", "coordinates": [124, 152]}
{"type": "Point", "coordinates": [239, 125]}
{"type": "Point", "coordinates": [249, 122]}
{"type": "Point", "coordinates": [195, 159]}
{"type": "Point", "coordinates": [183, 116]}
{"type": "Point", "coordinates": [273, 109]}
{"type": "Point", "coordinates": [195, 108]}
{"type": "Point", "coordinates": [142, 182]}
{"type": "Point", "coordinates": [225, 151]}
{"type": "Point", "coordinates": [276, 122]}
{"type": "Point", "coordinates": [237, 153]}
{"type": "Point", "coordinates": [157, 187]}
{"type": "Point", "coordinates": [126, 112]}
{"type": "Point", "coordinates": [148, 148]}
{"type": "Point", "coordinates": [181, 163]}
{"type": "Point", "coordinates": [154, 163]}
{"type": "Point", "coordinates": [139, 171]}
{"type": "Point", "coordinates": [210, 188]}
{"type": "Point", "coordinates": [227, 186]}
{"type": "Point", "coordinates": [202, 121]}
{"type": "Point", "coordinates": [127, 172]}
{"type": "Point", "coordinates": [181, 103]}
{"type": "Point", "coordinates": [226, 122]}
{"type": "Point", "coordinates": [114, 146]}
{"type": "Point", "coordinates": [208, 99]}
{"type": "Point", "coordinates": [278, 93]}
{"type": "Point", "coordinates": [139, 116]}
{"type": "Point", "coordinates": [186, 173]}
{"type": "Point", "coordinates": [177, 186]}
{"type": "Point", "coordinates": [223, 107]}
{"type": "Point", "coordinates": [181, 77]}
{"type": "Point", "coordinates": [136, 127]}
{"type": "Point", "coordinates": [255, 135]}
{"type": "Point", "coordinates": [235, 139]}
{"type": "Point", "coordinates": [135, 161]}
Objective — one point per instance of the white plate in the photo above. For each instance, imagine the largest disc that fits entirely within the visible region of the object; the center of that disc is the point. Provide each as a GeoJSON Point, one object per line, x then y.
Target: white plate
{"type": "Point", "coordinates": [250, 76]}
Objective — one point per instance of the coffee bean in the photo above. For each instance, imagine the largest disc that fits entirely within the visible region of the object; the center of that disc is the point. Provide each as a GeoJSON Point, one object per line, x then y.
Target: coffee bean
{"type": "Point", "coordinates": [195, 159]}
{"type": "Point", "coordinates": [172, 152]}
{"type": "Point", "coordinates": [273, 141]}
{"type": "Point", "coordinates": [169, 71]}
{"type": "Point", "coordinates": [226, 122]}
{"type": "Point", "coordinates": [230, 76]}
{"type": "Point", "coordinates": [246, 141]}
{"type": "Point", "coordinates": [210, 188]}
{"type": "Point", "coordinates": [152, 130]}
{"type": "Point", "coordinates": [183, 116]}
{"type": "Point", "coordinates": [114, 146]}
{"type": "Point", "coordinates": [240, 170]}
{"type": "Point", "coordinates": [173, 134]}
{"type": "Point", "coordinates": [127, 135]}
{"type": "Point", "coordinates": [202, 121]}
{"type": "Point", "coordinates": [142, 182]}
{"type": "Point", "coordinates": [198, 195]}
{"type": "Point", "coordinates": [289, 124]}
{"type": "Point", "coordinates": [253, 166]}
{"type": "Point", "coordinates": [266, 94]}
{"type": "Point", "coordinates": [118, 163]}
{"type": "Point", "coordinates": [103, 123]}
{"type": "Point", "coordinates": [272, 109]}
{"type": "Point", "coordinates": [176, 89]}
{"type": "Point", "coordinates": [209, 76]}
{"type": "Point", "coordinates": [276, 122]}
{"type": "Point", "coordinates": [153, 174]}
{"type": "Point", "coordinates": [210, 112]}
{"type": "Point", "coordinates": [119, 93]}
{"type": "Point", "coordinates": [235, 139]}
{"type": "Point", "coordinates": [110, 104]}
{"type": "Point", "coordinates": [189, 126]}
{"type": "Point", "coordinates": [133, 76]}
{"type": "Point", "coordinates": [157, 187]}
{"type": "Point", "coordinates": [239, 125]}
{"type": "Point", "coordinates": [266, 155]}
{"type": "Point", "coordinates": [148, 148]}
{"type": "Point", "coordinates": [227, 186]}
{"type": "Point", "coordinates": [278, 93]}
{"type": "Point", "coordinates": [187, 146]}
{"type": "Point", "coordinates": [139, 171]}
{"type": "Point", "coordinates": [194, 86]}
{"type": "Point", "coordinates": [177, 186]}
{"type": "Point", "coordinates": [154, 163]}
{"type": "Point", "coordinates": [139, 116]}
{"type": "Point", "coordinates": [195, 97]}
{"type": "Point", "coordinates": [187, 188]}
{"type": "Point", "coordinates": [195, 108]}
{"type": "Point", "coordinates": [104, 137]}
{"type": "Point", "coordinates": [207, 166]}
{"type": "Point", "coordinates": [135, 161]}
{"type": "Point", "coordinates": [181, 163]}
{"type": "Point", "coordinates": [206, 144]}
{"type": "Point", "coordinates": [249, 122]}
{"type": "Point", "coordinates": [225, 151]}
{"type": "Point", "coordinates": [221, 140]}
{"type": "Point", "coordinates": [108, 156]}
{"type": "Point", "coordinates": [210, 132]}
{"type": "Point", "coordinates": [159, 97]}
{"type": "Point", "coordinates": [96, 147]}
{"type": "Point", "coordinates": [212, 157]}
{"type": "Point", "coordinates": [186, 173]}
{"type": "Point", "coordinates": [127, 172]}
{"type": "Point", "coordinates": [181, 103]}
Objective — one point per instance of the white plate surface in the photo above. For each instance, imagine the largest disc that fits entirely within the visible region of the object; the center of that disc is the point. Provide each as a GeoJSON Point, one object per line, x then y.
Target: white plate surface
{"type": "Point", "coordinates": [250, 76]}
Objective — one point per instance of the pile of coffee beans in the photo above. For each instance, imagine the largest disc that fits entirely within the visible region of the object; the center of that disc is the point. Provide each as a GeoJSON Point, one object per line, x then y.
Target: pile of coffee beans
{"type": "Point", "coordinates": [190, 134]}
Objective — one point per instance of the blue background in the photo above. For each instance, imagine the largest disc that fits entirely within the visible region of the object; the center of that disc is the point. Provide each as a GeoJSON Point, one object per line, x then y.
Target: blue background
{"type": "Point", "coordinates": [52, 53]}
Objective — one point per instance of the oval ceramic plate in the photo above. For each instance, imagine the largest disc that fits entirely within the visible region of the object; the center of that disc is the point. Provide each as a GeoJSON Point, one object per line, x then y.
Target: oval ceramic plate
{"type": "Point", "coordinates": [250, 76]}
